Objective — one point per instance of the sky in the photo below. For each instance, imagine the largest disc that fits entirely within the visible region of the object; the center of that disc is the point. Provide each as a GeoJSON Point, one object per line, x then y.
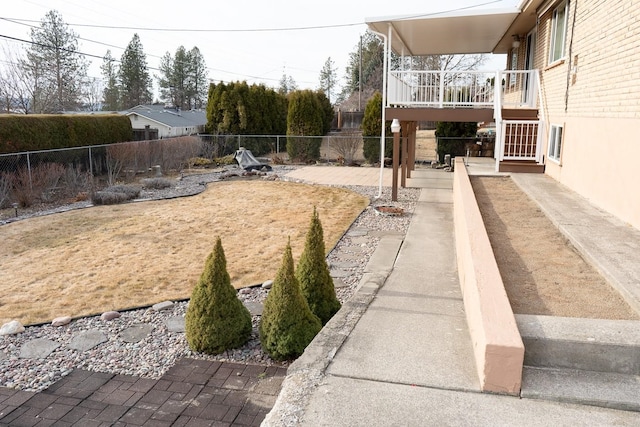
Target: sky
{"type": "Point", "coordinates": [230, 35]}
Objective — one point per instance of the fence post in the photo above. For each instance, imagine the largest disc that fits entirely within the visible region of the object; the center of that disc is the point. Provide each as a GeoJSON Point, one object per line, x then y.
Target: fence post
{"type": "Point", "coordinates": [328, 147]}
{"type": "Point", "coordinates": [90, 162]}
{"type": "Point", "coordinates": [278, 144]}
{"type": "Point", "coordinates": [29, 169]}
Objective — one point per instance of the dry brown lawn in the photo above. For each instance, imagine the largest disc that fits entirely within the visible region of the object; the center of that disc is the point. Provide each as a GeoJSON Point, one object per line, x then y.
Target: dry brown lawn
{"type": "Point", "coordinates": [114, 257]}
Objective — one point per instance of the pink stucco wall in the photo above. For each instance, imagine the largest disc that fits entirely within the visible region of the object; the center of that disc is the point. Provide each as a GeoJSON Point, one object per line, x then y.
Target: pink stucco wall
{"type": "Point", "coordinates": [497, 345]}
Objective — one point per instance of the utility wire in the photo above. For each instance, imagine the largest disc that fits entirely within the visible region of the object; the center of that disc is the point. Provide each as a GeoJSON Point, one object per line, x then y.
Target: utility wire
{"type": "Point", "coordinates": [256, 30]}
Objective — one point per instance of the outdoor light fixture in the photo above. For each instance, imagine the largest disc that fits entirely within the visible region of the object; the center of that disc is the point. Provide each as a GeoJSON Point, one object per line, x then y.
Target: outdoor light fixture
{"type": "Point", "coordinates": [395, 126]}
{"type": "Point", "coordinates": [516, 41]}
{"type": "Point", "coordinates": [15, 207]}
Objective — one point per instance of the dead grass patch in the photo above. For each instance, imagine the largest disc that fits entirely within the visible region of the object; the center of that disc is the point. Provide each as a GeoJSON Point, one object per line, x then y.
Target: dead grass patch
{"type": "Point", "coordinates": [114, 257]}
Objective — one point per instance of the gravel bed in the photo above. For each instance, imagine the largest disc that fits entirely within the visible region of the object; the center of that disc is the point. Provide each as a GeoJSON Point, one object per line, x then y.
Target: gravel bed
{"type": "Point", "coordinates": [155, 354]}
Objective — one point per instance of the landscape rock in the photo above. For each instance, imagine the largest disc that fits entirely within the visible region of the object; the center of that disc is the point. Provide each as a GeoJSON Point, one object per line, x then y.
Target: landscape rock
{"type": "Point", "coordinates": [254, 307]}
{"type": "Point", "coordinates": [136, 333]}
{"type": "Point", "coordinates": [61, 321]}
{"type": "Point", "coordinates": [13, 327]}
{"type": "Point", "coordinates": [165, 305]}
{"type": "Point", "coordinates": [343, 264]}
{"type": "Point", "coordinates": [358, 232]}
{"type": "Point", "coordinates": [338, 283]}
{"type": "Point", "coordinates": [340, 273]}
{"type": "Point", "coordinates": [245, 291]}
{"type": "Point", "coordinates": [86, 340]}
{"type": "Point", "coordinates": [109, 315]}
{"type": "Point", "coordinates": [267, 284]}
{"type": "Point", "coordinates": [175, 324]}
{"type": "Point", "coordinates": [38, 348]}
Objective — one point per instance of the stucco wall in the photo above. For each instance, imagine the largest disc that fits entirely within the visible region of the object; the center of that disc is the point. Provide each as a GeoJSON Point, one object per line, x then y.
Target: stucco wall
{"type": "Point", "coordinates": [497, 345]}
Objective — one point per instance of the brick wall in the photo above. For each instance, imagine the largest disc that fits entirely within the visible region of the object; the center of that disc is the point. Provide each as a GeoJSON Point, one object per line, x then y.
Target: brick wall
{"type": "Point", "coordinates": [600, 74]}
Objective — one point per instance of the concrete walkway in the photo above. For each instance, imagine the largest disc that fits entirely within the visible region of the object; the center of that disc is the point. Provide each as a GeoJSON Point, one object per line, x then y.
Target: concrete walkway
{"type": "Point", "coordinates": [399, 353]}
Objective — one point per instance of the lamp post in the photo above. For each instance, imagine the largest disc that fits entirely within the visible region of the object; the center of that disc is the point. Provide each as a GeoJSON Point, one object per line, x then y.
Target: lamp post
{"type": "Point", "coordinates": [395, 129]}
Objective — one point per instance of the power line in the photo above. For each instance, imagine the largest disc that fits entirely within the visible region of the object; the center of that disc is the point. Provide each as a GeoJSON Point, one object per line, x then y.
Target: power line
{"type": "Point", "coordinates": [255, 30]}
{"type": "Point", "coordinates": [203, 30]}
{"type": "Point", "coordinates": [16, 21]}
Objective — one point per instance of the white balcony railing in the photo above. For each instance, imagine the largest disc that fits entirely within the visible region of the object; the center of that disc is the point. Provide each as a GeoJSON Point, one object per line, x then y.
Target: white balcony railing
{"type": "Point", "coordinates": [469, 89]}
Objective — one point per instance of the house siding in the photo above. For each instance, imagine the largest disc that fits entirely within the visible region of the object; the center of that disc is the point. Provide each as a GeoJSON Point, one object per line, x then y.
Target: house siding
{"type": "Point", "coordinates": [594, 92]}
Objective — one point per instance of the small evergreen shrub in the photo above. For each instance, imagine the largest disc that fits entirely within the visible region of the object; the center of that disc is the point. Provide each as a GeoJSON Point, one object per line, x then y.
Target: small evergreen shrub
{"type": "Point", "coordinates": [287, 325]}
{"type": "Point", "coordinates": [314, 276]}
{"type": "Point", "coordinates": [216, 319]}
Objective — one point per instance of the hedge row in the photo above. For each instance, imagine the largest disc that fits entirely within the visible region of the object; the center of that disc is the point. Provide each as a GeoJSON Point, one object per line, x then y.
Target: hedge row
{"type": "Point", "coordinates": [33, 132]}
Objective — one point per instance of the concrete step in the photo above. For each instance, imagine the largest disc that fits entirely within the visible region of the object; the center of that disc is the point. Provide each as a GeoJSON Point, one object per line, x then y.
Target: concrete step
{"type": "Point", "coordinates": [520, 166]}
{"type": "Point", "coordinates": [611, 346]}
{"type": "Point", "coordinates": [608, 390]}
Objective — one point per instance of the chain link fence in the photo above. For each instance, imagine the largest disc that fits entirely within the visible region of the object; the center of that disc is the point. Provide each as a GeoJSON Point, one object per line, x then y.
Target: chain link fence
{"type": "Point", "coordinates": [49, 175]}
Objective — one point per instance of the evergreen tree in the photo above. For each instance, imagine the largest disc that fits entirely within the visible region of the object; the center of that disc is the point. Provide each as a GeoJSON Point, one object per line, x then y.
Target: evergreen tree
{"type": "Point", "coordinates": [287, 85]}
{"type": "Point", "coordinates": [216, 319]}
{"type": "Point", "coordinates": [134, 75]}
{"type": "Point", "coordinates": [327, 112]}
{"type": "Point", "coordinates": [56, 68]}
{"type": "Point", "coordinates": [287, 324]}
{"type": "Point", "coordinates": [196, 79]}
{"type": "Point", "coordinates": [239, 109]}
{"type": "Point", "coordinates": [314, 276]}
{"type": "Point", "coordinates": [111, 91]}
{"type": "Point", "coordinates": [372, 128]}
{"type": "Point", "coordinates": [306, 117]}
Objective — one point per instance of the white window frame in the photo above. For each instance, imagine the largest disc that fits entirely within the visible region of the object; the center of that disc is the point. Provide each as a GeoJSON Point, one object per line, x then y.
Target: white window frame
{"type": "Point", "coordinates": [558, 29]}
{"type": "Point", "coordinates": [556, 133]}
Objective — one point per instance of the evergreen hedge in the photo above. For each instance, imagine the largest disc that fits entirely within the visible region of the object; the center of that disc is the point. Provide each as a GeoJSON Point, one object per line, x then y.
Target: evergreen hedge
{"type": "Point", "coordinates": [306, 117]}
{"type": "Point", "coordinates": [216, 319]}
{"type": "Point", "coordinates": [34, 132]}
{"type": "Point", "coordinates": [314, 276]}
{"type": "Point", "coordinates": [372, 128]}
{"type": "Point", "coordinates": [287, 324]}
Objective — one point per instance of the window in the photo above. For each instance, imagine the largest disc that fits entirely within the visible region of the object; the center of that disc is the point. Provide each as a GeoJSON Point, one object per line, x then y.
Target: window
{"type": "Point", "coordinates": [558, 32]}
{"type": "Point", "coordinates": [555, 142]}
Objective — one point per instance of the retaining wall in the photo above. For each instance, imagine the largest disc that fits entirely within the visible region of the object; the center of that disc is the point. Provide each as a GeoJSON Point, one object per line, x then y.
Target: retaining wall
{"type": "Point", "coordinates": [497, 345]}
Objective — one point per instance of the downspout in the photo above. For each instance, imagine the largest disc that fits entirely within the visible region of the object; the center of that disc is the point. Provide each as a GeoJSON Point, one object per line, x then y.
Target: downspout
{"type": "Point", "coordinates": [384, 104]}
{"type": "Point", "coordinates": [570, 6]}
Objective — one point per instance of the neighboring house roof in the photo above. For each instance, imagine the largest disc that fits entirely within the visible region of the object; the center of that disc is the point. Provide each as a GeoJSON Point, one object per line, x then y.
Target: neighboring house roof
{"type": "Point", "coordinates": [169, 116]}
{"type": "Point", "coordinates": [457, 32]}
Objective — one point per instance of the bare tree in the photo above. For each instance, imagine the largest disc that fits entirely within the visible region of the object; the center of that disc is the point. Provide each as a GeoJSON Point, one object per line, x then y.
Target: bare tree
{"type": "Point", "coordinates": [16, 88]}
{"type": "Point", "coordinates": [93, 90]}
{"type": "Point", "coordinates": [346, 145]}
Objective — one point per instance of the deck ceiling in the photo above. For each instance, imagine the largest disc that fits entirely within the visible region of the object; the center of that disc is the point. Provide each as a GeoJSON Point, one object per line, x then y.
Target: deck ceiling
{"type": "Point", "coordinates": [461, 32]}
